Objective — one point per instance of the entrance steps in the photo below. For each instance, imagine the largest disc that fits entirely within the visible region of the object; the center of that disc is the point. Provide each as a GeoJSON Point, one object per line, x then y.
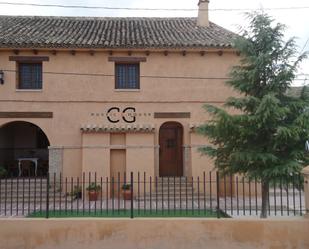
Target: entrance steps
{"type": "Point", "coordinates": [173, 189]}
{"type": "Point", "coordinates": [30, 190]}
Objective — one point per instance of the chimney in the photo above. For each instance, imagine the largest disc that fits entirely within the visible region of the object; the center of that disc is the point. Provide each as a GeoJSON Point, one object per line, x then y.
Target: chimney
{"type": "Point", "coordinates": [202, 19]}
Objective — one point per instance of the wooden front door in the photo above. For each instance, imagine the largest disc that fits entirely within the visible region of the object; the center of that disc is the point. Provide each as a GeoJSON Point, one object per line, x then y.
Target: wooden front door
{"type": "Point", "coordinates": [170, 141]}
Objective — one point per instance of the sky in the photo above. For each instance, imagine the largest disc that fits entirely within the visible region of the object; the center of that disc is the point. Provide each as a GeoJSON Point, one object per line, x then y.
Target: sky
{"type": "Point", "coordinates": [297, 21]}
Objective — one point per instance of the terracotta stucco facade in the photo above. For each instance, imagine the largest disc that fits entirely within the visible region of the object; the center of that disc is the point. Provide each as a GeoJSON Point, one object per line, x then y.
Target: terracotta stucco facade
{"type": "Point", "coordinates": [79, 90]}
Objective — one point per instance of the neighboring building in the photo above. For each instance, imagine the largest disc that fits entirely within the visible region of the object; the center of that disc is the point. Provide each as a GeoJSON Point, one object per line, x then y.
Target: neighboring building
{"type": "Point", "coordinates": [110, 95]}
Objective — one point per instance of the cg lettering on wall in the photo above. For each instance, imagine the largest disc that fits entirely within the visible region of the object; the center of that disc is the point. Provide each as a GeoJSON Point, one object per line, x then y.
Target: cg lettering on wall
{"type": "Point", "coordinates": [115, 115]}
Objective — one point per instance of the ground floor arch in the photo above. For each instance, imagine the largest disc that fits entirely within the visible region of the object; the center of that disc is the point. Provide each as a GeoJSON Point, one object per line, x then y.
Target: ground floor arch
{"type": "Point", "coordinates": [24, 149]}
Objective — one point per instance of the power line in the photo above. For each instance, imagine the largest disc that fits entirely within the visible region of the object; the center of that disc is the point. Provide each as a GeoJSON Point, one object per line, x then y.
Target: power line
{"type": "Point", "coordinates": [146, 9]}
{"type": "Point", "coordinates": [306, 43]}
{"type": "Point", "coordinates": [142, 76]}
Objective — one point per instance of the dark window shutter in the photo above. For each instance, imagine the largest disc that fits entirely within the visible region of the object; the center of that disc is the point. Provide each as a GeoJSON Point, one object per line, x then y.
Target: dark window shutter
{"type": "Point", "coordinates": [30, 75]}
{"type": "Point", "coordinates": [127, 76]}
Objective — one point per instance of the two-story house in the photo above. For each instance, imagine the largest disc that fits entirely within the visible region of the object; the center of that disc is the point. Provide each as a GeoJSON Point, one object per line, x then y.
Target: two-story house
{"type": "Point", "coordinates": [108, 95]}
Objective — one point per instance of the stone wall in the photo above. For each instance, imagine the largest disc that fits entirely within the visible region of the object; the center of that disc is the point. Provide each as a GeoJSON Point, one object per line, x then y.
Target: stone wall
{"type": "Point", "coordinates": [153, 234]}
{"type": "Point", "coordinates": [55, 160]}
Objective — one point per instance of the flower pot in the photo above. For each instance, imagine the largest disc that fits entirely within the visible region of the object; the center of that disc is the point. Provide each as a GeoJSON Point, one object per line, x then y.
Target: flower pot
{"type": "Point", "coordinates": [93, 195]}
{"type": "Point", "coordinates": [78, 195]}
{"type": "Point", "coordinates": [126, 193]}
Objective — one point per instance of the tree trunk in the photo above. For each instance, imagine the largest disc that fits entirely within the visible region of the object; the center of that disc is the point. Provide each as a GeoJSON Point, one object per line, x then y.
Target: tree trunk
{"type": "Point", "coordinates": [265, 193]}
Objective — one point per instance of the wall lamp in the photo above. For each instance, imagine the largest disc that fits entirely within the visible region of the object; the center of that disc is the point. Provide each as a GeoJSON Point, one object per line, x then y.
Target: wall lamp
{"type": "Point", "coordinates": [1, 77]}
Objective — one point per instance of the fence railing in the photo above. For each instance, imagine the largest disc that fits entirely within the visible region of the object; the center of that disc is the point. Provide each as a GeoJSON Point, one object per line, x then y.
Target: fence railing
{"type": "Point", "coordinates": [140, 195]}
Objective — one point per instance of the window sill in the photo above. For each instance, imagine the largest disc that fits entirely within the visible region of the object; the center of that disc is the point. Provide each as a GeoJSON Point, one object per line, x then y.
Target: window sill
{"type": "Point", "coordinates": [127, 90]}
{"type": "Point", "coordinates": [28, 90]}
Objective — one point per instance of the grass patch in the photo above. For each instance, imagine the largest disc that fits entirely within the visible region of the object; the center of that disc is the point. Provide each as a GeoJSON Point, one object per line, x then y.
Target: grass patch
{"type": "Point", "coordinates": [127, 213]}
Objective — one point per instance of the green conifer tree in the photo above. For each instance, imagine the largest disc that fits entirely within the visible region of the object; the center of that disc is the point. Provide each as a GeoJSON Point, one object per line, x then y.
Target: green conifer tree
{"type": "Point", "coordinates": [266, 138]}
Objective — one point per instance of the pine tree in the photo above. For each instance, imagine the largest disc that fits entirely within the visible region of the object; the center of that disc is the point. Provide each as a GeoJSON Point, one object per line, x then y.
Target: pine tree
{"type": "Point", "coordinates": [266, 139]}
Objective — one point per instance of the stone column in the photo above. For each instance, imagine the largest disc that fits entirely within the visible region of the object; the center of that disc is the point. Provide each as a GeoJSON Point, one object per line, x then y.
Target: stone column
{"type": "Point", "coordinates": [157, 159]}
{"type": "Point", "coordinates": [305, 171]}
{"type": "Point", "coordinates": [55, 160]}
{"type": "Point", "coordinates": [186, 160]}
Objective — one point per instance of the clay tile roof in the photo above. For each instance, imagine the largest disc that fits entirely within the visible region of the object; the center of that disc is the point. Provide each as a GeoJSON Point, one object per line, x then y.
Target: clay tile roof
{"type": "Point", "coordinates": [109, 32]}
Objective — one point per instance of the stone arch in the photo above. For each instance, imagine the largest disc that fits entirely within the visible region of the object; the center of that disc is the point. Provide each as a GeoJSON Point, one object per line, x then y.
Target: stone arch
{"type": "Point", "coordinates": [24, 149]}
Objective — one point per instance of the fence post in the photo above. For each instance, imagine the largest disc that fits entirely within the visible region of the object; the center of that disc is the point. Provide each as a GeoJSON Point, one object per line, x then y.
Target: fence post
{"type": "Point", "coordinates": [305, 172]}
{"type": "Point", "coordinates": [132, 184]}
{"type": "Point", "coordinates": [218, 194]}
{"type": "Point", "coordinates": [47, 197]}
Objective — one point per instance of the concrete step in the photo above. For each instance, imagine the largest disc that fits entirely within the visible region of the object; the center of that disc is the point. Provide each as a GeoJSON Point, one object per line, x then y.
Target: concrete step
{"type": "Point", "coordinates": [31, 199]}
{"type": "Point", "coordinates": [176, 199]}
{"type": "Point", "coordinates": [172, 179]}
{"type": "Point", "coordinates": [177, 187]}
{"type": "Point", "coordinates": [20, 190]}
{"type": "Point", "coordinates": [28, 192]}
{"type": "Point", "coordinates": [31, 188]}
{"type": "Point", "coordinates": [22, 180]}
{"type": "Point", "coordinates": [171, 192]}
{"type": "Point", "coordinates": [171, 195]}
{"type": "Point", "coordinates": [8, 185]}
{"type": "Point", "coordinates": [172, 184]}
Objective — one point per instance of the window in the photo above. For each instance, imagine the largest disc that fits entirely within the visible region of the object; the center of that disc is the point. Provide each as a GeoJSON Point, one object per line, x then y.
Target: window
{"type": "Point", "coordinates": [29, 75]}
{"type": "Point", "coordinates": [127, 76]}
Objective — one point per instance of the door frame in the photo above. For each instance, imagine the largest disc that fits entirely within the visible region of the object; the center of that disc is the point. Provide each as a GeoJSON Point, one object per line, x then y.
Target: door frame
{"type": "Point", "coordinates": [180, 130]}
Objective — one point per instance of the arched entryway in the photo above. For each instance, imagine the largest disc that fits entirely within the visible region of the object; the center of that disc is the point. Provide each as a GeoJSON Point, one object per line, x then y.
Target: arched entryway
{"type": "Point", "coordinates": [171, 149]}
{"type": "Point", "coordinates": [23, 149]}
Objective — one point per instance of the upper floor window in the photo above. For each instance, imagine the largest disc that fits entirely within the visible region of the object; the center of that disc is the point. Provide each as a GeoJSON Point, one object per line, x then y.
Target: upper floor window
{"type": "Point", "coordinates": [127, 76]}
{"type": "Point", "coordinates": [29, 71]}
{"type": "Point", "coordinates": [29, 75]}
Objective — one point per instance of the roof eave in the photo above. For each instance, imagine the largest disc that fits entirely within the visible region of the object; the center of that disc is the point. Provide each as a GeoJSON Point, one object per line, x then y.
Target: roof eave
{"type": "Point", "coordinates": [156, 49]}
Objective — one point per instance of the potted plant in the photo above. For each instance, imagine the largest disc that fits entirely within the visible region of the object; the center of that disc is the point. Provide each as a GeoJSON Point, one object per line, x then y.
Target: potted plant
{"type": "Point", "coordinates": [126, 191]}
{"type": "Point", "coordinates": [77, 192]}
{"type": "Point", "coordinates": [93, 191]}
{"type": "Point", "coordinates": [3, 172]}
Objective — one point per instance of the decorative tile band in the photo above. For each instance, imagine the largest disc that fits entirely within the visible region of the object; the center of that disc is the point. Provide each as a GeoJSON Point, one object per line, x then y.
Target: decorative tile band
{"type": "Point", "coordinates": [118, 128]}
